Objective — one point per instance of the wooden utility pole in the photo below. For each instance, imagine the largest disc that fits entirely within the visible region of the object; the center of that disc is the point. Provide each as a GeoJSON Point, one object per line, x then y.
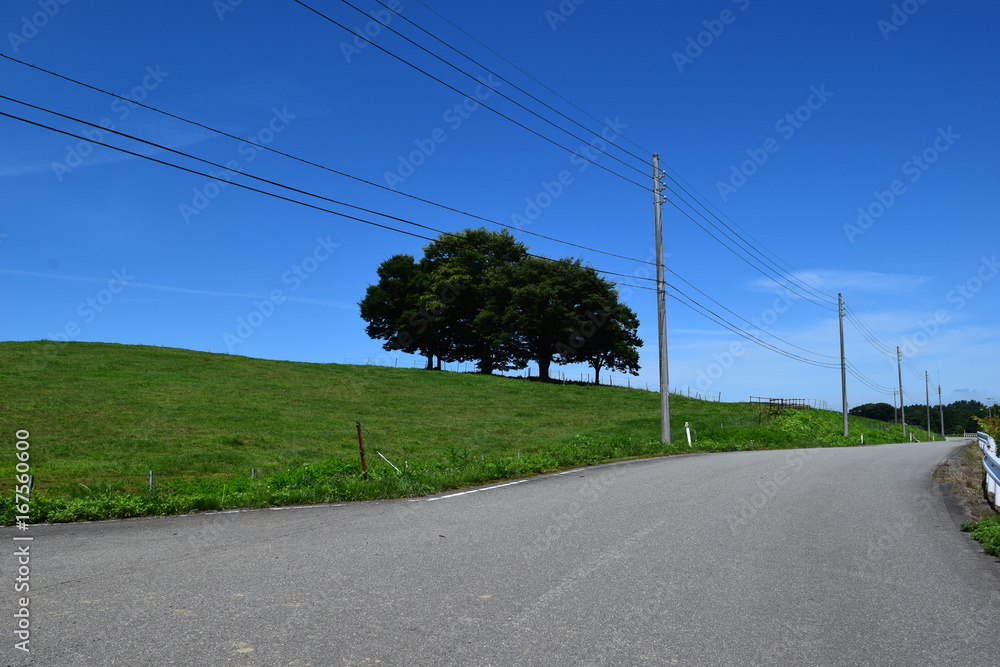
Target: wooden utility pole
{"type": "Point", "coordinates": [927, 389]}
{"type": "Point", "coordinates": [941, 408]}
{"type": "Point", "coordinates": [661, 303]}
{"type": "Point", "coordinates": [902, 408]}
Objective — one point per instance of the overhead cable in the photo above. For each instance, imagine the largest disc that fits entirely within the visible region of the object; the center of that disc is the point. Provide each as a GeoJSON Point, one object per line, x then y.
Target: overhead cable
{"type": "Point", "coordinates": [460, 92]}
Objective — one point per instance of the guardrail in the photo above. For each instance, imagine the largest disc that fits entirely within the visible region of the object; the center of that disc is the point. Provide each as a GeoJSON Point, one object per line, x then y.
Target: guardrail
{"type": "Point", "coordinates": [991, 467]}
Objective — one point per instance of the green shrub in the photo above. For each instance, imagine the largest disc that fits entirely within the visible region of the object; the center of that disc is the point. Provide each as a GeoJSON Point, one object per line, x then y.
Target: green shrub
{"type": "Point", "coordinates": [987, 533]}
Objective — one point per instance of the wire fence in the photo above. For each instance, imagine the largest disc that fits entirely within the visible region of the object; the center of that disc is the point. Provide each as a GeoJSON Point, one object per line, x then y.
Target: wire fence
{"type": "Point", "coordinates": [357, 446]}
{"type": "Point", "coordinates": [344, 441]}
{"type": "Point", "coordinates": [605, 379]}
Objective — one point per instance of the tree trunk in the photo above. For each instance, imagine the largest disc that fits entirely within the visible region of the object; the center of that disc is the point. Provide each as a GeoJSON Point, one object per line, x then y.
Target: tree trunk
{"type": "Point", "coordinates": [543, 368]}
{"type": "Point", "coordinates": [430, 362]}
{"type": "Point", "coordinates": [597, 373]}
{"type": "Point", "coordinates": [485, 363]}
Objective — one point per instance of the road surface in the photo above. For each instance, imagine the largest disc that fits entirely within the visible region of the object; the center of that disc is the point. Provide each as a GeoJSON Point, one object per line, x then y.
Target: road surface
{"type": "Point", "coordinates": [802, 557]}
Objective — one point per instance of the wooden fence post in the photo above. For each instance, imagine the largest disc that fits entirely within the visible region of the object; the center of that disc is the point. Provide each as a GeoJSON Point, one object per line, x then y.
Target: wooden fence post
{"type": "Point", "coordinates": [361, 450]}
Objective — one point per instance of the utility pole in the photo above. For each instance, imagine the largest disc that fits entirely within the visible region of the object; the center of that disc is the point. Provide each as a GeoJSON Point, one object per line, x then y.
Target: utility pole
{"type": "Point", "coordinates": [927, 389]}
{"type": "Point", "coordinates": [661, 303]}
{"type": "Point", "coordinates": [902, 408]}
{"type": "Point", "coordinates": [843, 360]}
{"type": "Point", "coordinates": [940, 407]}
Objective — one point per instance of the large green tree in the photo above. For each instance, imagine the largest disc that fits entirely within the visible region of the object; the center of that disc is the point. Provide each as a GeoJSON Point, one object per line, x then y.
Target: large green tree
{"type": "Point", "coordinates": [547, 302]}
{"type": "Point", "coordinates": [396, 310]}
{"type": "Point", "coordinates": [471, 277]}
{"type": "Point", "coordinates": [478, 295]}
{"type": "Point", "coordinates": [606, 338]}
{"type": "Point", "coordinates": [565, 313]}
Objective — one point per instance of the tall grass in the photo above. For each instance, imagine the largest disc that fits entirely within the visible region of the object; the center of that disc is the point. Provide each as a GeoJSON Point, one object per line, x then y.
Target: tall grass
{"type": "Point", "coordinates": [101, 416]}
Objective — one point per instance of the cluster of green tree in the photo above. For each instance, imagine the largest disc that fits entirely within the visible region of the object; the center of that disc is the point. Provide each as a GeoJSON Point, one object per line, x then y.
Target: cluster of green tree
{"type": "Point", "coordinates": [478, 295]}
{"type": "Point", "coordinates": [959, 417]}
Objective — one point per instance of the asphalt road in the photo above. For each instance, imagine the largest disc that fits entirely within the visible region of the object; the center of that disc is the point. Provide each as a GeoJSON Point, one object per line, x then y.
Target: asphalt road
{"type": "Point", "coordinates": [802, 557]}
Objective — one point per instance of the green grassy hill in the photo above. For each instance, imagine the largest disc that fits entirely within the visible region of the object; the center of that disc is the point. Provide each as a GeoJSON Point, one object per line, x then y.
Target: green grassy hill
{"type": "Point", "coordinates": [100, 416]}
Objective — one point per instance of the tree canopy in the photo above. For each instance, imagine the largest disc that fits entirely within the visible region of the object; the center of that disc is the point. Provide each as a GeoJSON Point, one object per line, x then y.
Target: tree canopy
{"type": "Point", "coordinates": [479, 296]}
{"type": "Point", "coordinates": [959, 417]}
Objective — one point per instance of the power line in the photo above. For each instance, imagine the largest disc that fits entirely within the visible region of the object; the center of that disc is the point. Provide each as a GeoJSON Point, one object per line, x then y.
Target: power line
{"type": "Point", "coordinates": [691, 303]}
{"type": "Point", "coordinates": [694, 304]}
{"type": "Point", "coordinates": [871, 384]}
{"type": "Point", "coordinates": [711, 313]}
{"type": "Point", "coordinates": [742, 258]}
{"type": "Point", "coordinates": [762, 258]}
{"type": "Point", "coordinates": [762, 330]}
{"type": "Point", "coordinates": [209, 176]}
{"type": "Point", "coordinates": [719, 215]}
{"type": "Point", "coordinates": [261, 179]}
{"type": "Point", "coordinates": [721, 321]}
{"type": "Point", "coordinates": [913, 369]}
{"type": "Point", "coordinates": [451, 87]}
{"type": "Point", "coordinates": [321, 166]}
{"type": "Point", "coordinates": [869, 335]}
{"type": "Point", "coordinates": [642, 160]}
{"type": "Point", "coordinates": [879, 345]}
{"type": "Point", "coordinates": [446, 20]}
{"type": "Point", "coordinates": [747, 245]}
{"type": "Point", "coordinates": [303, 4]}
{"type": "Point", "coordinates": [335, 201]}
{"type": "Point", "coordinates": [369, 182]}
{"type": "Point", "coordinates": [214, 164]}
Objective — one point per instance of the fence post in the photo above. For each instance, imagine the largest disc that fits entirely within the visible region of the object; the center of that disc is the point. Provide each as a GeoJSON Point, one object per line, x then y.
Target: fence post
{"type": "Point", "coordinates": [361, 450]}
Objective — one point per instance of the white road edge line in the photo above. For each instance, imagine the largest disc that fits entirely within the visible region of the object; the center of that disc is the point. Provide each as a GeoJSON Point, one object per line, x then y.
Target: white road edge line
{"type": "Point", "coordinates": [485, 488]}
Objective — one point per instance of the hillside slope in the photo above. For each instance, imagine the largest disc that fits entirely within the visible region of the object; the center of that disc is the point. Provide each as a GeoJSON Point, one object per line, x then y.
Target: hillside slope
{"type": "Point", "coordinates": [107, 414]}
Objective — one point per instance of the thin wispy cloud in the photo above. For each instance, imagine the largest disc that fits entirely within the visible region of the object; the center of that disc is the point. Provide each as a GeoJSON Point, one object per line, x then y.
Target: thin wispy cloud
{"type": "Point", "coordinates": [188, 292]}
{"type": "Point", "coordinates": [832, 280]}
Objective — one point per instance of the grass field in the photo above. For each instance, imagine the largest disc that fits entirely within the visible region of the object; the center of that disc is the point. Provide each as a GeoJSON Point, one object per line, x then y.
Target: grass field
{"type": "Point", "coordinates": [101, 416]}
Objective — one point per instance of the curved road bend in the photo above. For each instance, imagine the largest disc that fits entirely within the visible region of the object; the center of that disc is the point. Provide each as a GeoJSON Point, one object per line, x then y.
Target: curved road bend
{"type": "Point", "coordinates": [800, 557]}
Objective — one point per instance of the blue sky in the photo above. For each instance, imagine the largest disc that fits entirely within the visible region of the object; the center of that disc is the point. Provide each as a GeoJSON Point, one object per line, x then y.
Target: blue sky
{"type": "Point", "coordinates": [851, 144]}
